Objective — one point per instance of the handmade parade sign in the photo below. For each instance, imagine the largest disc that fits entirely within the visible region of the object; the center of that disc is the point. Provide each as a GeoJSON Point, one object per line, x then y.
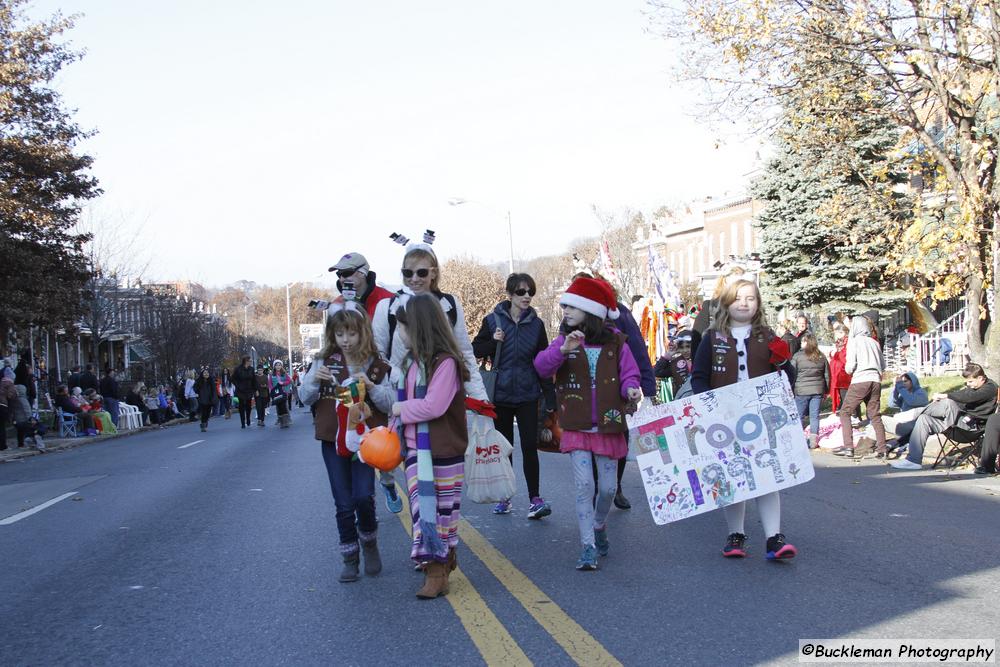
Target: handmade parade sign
{"type": "Point", "coordinates": [724, 446]}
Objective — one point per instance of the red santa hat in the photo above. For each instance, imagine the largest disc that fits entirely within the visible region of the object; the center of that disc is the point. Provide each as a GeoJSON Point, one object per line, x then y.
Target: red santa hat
{"type": "Point", "coordinates": [591, 296]}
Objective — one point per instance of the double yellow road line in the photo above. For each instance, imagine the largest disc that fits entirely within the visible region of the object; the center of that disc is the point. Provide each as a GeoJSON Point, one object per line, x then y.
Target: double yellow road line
{"type": "Point", "coordinates": [487, 632]}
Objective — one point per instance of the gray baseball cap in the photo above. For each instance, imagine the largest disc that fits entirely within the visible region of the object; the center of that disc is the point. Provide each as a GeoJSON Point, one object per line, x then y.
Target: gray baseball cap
{"type": "Point", "coordinates": [352, 260]}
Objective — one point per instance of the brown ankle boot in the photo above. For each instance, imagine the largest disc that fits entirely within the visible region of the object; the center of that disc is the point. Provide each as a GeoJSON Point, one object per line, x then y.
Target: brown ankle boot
{"type": "Point", "coordinates": [435, 581]}
{"type": "Point", "coordinates": [452, 559]}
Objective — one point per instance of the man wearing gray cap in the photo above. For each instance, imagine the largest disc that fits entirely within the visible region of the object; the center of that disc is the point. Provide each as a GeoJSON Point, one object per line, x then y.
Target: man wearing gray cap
{"type": "Point", "coordinates": [356, 280]}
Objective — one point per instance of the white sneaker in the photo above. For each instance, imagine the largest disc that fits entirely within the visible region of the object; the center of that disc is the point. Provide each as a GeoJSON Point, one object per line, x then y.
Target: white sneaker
{"type": "Point", "coordinates": [905, 464]}
{"type": "Point", "coordinates": [39, 444]}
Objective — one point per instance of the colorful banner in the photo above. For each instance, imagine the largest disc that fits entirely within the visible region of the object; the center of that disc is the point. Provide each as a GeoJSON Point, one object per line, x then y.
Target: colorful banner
{"type": "Point", "coordinates": [725, 446]}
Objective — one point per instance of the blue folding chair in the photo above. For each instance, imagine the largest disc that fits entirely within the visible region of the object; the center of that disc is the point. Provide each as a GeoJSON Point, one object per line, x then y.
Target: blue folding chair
{"type": "Point", "coordinates": [68, 424]}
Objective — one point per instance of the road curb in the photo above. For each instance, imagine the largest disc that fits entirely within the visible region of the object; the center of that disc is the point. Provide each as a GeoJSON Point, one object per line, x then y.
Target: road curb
{"type": "Point", "coordinates": [61, 444]}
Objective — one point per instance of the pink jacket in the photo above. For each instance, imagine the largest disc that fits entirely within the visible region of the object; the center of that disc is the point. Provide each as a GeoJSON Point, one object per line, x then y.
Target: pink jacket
{"type": "Point", "coordinates": [548, 361]}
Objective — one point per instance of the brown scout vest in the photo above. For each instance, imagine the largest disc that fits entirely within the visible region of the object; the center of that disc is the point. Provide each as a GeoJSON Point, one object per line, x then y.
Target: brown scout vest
{"type": "Point", "coordinates": [326, 407]}
{"type": "Point", "coordinates": [449, 433]}
{"type": "Point", "coordinates": [573, 393]}
{"type": "Point", "coordinates": [725, 361]}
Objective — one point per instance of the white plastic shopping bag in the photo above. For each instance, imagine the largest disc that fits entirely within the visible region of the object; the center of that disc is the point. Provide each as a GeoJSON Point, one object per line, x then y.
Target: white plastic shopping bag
{"type": "Point", "coordinates": [489, 477]}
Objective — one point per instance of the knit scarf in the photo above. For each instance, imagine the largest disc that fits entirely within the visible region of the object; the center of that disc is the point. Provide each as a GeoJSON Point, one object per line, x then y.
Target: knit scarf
{"type": "Point", "coordinates": [426, 496]}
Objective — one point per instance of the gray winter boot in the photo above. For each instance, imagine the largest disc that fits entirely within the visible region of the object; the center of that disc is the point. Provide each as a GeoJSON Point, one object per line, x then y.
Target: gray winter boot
{"type": "Point", "coordinates": [373, 561]}
{"type": "Point", "coordinates": [351, 562]}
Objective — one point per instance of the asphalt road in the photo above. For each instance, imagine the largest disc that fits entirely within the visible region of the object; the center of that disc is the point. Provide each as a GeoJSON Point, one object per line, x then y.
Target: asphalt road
{"type": "Point", "coordinates": [225, 552]}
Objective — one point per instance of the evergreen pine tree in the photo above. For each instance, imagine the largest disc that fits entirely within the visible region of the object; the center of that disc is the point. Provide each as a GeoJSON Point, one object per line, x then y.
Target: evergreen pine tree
{"type": "Point", "coordinates": [830, 191]}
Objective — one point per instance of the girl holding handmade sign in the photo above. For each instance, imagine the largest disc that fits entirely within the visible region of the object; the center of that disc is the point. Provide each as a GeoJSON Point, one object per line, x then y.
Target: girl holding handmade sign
{"type": "Point", "coordinates": [740, 346]}
{"type": "Point", "coordinates": [350, 386]}
{"type": "Point", "coordinates": [431, 407]}
{"type": "Point", "coordinates": [596, 375]}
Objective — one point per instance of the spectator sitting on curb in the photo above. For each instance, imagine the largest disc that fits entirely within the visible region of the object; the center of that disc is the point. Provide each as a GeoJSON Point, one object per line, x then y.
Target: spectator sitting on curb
{"type": "Point", "coordinates": [977, 400]}
{"type": "Point", "coordinates": [991, 447]}
{"type": "Point", "coordinates": [102, 420]}
{"type": "Point", "coordinates": [65, 403]}
{"type": "Point", "coordinates": [907, 393]}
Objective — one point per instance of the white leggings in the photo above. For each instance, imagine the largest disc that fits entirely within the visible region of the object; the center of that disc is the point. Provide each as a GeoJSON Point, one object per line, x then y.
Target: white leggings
{"type": "Point", "coordinates": [587, 516]}
{"type": "Point", "coordinates": [769, 508]}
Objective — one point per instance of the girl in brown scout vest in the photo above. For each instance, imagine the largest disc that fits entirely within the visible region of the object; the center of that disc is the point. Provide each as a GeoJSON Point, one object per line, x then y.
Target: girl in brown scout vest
{"type": "Point", "coordinates": [431, 407]}
{"type": "Point", "coordinates": [738, 347]}
{"type": "Point", "coordinates": [349, 353]}
{"type": "Point", "coordinates": [596, 375]}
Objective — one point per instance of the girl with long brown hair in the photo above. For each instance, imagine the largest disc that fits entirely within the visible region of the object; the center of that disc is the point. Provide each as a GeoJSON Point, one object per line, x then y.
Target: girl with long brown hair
{"type": "Point", "coordinates": [349, 355]}
{"type": "Point", "coordinates": [431, 408]}
{"type": "Point", "coordinates": [738, 347]}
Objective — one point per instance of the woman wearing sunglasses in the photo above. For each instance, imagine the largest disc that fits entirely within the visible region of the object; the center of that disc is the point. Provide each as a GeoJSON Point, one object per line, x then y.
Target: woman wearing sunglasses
{"type": "Point", "coordinates": [420, 273]}
{"type": "Point", "coordinates": [515, 328]}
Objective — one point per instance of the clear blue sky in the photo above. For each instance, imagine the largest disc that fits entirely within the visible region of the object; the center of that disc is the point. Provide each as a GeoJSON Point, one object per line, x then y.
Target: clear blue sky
{"type": "Point", "coordinates": [256, 140]}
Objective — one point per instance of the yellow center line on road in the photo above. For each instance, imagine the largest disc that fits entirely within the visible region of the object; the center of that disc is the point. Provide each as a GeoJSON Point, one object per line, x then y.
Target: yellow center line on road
{"type": "Point", "coordinates": [491, 638]}
{"type": "Point", "coordinates": [581, 646]}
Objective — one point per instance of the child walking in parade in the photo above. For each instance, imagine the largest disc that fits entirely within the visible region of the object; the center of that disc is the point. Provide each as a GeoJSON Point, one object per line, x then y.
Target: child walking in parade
{"type": "Point", "coordinates": [738, 347]}
{"type": "Point", "coordinates": [431, 409]}
{"type": "Point", "coordinates": [346, 372]}
{"type": "Point", "coordinates": [596, 376]}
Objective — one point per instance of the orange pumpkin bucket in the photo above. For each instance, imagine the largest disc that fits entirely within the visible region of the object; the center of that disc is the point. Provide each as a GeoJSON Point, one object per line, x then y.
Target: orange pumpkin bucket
{"type": "Point", "coordinates": [380, 449]}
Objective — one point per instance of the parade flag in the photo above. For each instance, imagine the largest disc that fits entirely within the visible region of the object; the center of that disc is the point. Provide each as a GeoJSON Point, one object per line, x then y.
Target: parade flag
{"type": "Point", "coordinates": [728, 445]}
{"type": "Point", "coordinates": [607, 267]}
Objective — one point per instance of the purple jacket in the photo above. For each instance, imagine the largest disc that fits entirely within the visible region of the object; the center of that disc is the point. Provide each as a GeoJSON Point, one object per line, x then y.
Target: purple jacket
{"type": "Point", "coordinates": [548, 361]}
{"type": "Point", "coordinates": [627, 325]}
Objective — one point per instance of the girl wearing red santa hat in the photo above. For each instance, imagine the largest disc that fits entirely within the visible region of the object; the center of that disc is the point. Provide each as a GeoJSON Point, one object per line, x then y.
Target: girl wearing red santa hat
{"type": "Point", "coordinates": [595, 375]}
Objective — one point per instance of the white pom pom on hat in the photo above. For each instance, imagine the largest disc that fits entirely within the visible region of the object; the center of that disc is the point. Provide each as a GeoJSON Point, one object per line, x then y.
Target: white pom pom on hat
{"type": "Point", "coordinates": [591, 296]}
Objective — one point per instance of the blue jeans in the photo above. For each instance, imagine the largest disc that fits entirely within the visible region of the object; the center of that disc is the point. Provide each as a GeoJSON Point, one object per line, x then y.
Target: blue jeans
{"type": "Point", "coordinates": [353, 486]}
{"type": "Point", "coordinates": [111, 405]}
{"type": "Point", "coordinates": [810, 402]}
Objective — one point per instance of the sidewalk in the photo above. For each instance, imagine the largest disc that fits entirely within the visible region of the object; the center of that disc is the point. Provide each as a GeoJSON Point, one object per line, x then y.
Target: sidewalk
{"type": "Point", "coordinates": [14, 453]}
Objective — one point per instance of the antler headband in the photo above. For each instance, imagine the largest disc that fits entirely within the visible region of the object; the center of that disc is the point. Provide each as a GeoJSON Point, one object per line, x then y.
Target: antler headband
{"type": "Point", "coordinates": [429, 238]}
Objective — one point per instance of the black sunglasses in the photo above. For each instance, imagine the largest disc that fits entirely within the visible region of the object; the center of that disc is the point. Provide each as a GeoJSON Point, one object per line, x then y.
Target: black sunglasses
{"type": "Point", "coordinates": [346, 273]}
{"type": "Point", "coordinates": [521, 292]}
{"type": "Point", "coordinates": [421, 273]}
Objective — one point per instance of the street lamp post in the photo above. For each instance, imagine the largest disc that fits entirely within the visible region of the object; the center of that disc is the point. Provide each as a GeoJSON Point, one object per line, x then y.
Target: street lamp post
{"type": "Point", "coordinates": [288, 321]}
{"type": "Point", "coordinates": [458, 201]}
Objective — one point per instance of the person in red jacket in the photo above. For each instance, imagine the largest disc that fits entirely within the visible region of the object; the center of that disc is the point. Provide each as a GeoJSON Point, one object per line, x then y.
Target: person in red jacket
{"type": "Point", "coordinates": [356, 281]}
{"type": "Point", "coordinates": [840, 380]}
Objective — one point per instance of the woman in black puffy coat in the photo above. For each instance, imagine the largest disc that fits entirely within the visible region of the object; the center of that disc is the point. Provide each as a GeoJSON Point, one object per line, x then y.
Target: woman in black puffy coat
{"type": "Point", "coordinates": [515, 329]}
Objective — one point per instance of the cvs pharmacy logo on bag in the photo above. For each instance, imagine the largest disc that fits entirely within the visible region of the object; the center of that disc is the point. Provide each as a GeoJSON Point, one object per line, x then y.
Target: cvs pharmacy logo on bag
{"type": "Point", "coordinates": [487, 451]}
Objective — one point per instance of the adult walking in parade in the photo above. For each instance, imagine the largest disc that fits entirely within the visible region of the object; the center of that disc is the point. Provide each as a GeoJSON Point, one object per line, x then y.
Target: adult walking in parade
{"type": "Point", "coordinates": [262, 394]}
{"type": "Point", "coordinates": [190, 396]}
{"type": "Point", "coordinates": [279, 385]}
{"type": "Point", "coordinates": [356, 282]}
{"type": "Point", "coordinates": [225, 394]}
{"type": "Point", "coordinates": [243, 381]}
{"type": "Point", "coordinates": [512, 335]}
{"type": "Point", "coordinates": [207, 396]}
{"type": "Point", "coordinates": [421, 275]}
